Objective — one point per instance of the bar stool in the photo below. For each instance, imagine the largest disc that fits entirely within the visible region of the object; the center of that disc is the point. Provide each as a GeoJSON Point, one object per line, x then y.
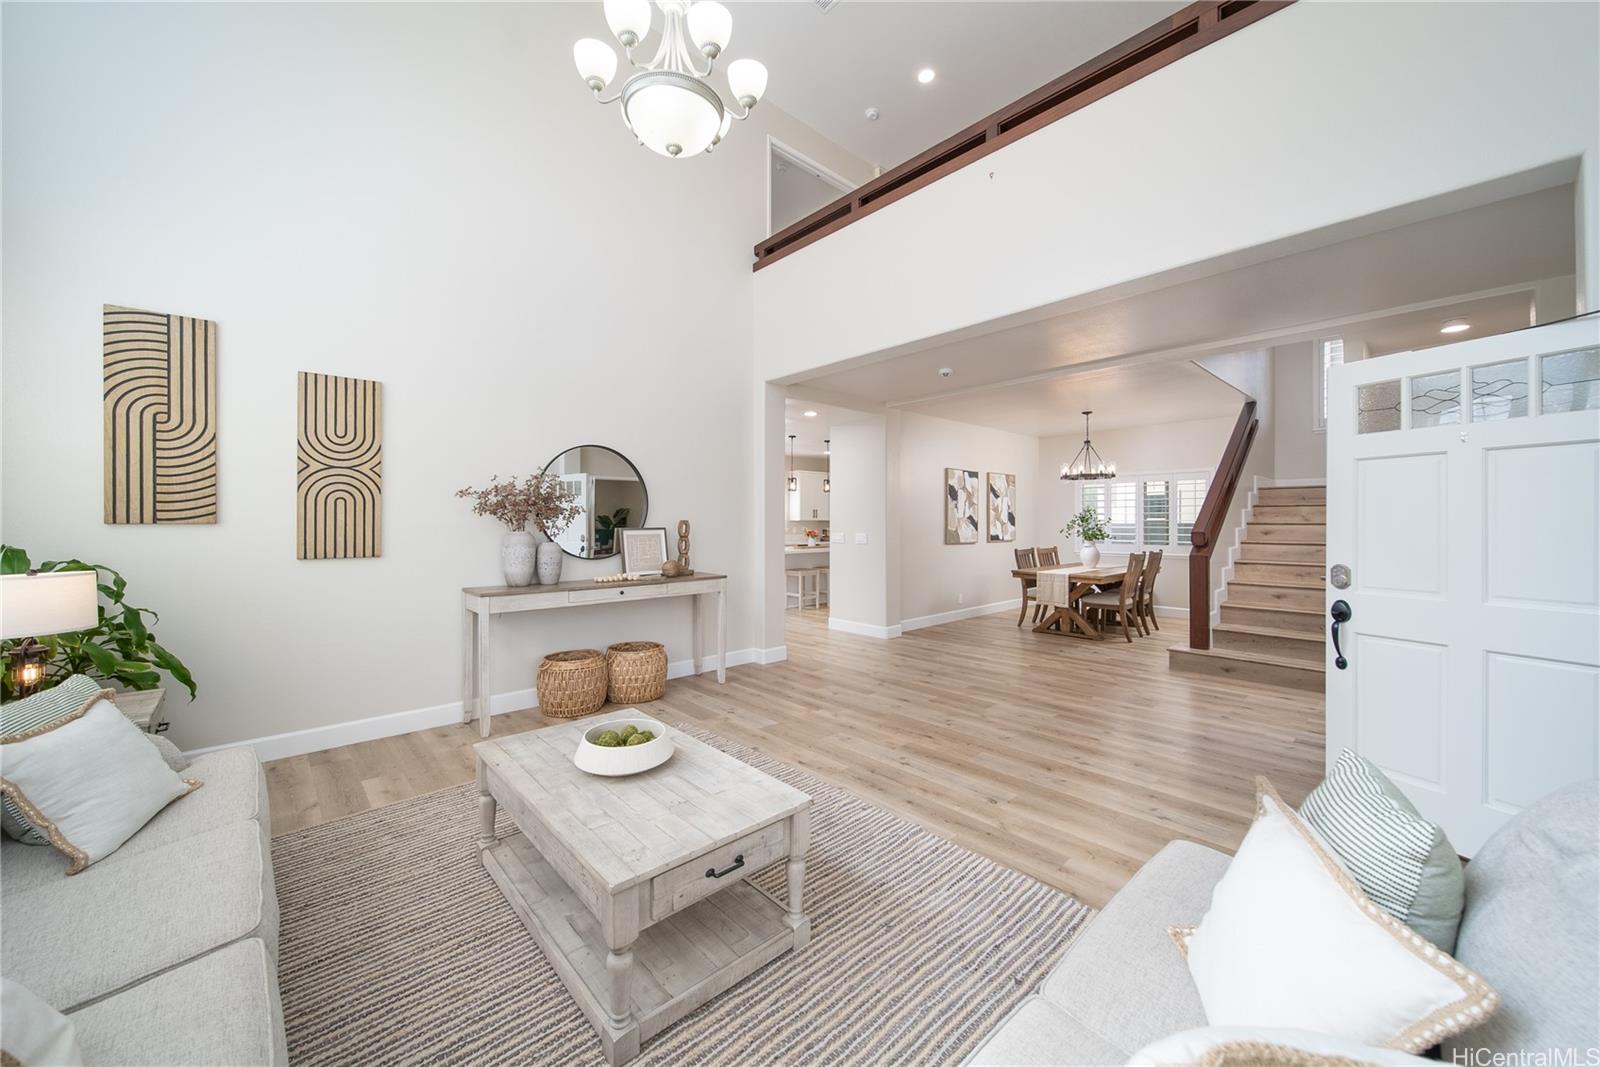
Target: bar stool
{"type": "Point", "coordinates": [824, 582]}
{"type": "Point", "coordinates": [805, 586]}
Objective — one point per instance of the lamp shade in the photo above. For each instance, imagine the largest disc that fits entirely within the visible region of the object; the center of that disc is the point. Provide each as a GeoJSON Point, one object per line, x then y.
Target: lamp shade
{"type": "Point", "coordinates": [710, 25]}
{"type": "Point", "coordinates": [597, 63]}
{"type": "Point", "coordinates": [747, 80]}
{"type": "Point", "coordinates": [671, 113]}
{"type": "Point", "coordinates": [629, 20]}
{"type": "Point", "coordinates": [33, 605]}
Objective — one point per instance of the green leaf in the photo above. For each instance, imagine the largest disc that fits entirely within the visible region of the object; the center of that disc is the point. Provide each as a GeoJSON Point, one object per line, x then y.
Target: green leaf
{"type": "Point", "coordinates": [174, 666]}
{"type": "Point", "coordinates": [104, 661]}
{"type": "Point", "coordinates": [139, 679]}
{"type": "Point", "coordinates": [13, 560]}
{"type": "Point", "coordinates": [135, 625]}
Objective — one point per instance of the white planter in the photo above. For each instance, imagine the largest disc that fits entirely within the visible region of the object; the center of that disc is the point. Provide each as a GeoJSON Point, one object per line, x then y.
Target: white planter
{"type": "Point", "coordinates": [549, 563]}
{"type": "Point", "coordinates": [516, 557]}
{"type": "Point", "coordinates": [1089, 555]}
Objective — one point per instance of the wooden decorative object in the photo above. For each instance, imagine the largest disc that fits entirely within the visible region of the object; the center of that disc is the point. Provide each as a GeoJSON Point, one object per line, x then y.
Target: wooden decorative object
{"type": "Point", "coordinates": [672, 569]}
{"type": "Point", "coordinates": [572, 683]}
{"type": "Point", "coordinates": [339, 501]}
{"type": "Point", "coordinates": [683, 545]}
{"type": "Point", "coordinates": [611, 579]}
{"type": "Point", "coordinates": [160, 396]}
{"type": "Point", "coordinates": [960, 506]}
{"type": "Point", "coordinates": [638, 671]}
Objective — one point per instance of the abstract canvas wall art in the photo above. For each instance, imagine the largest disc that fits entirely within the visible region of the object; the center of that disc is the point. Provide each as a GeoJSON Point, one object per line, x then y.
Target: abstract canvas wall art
{"type": "Point", "coordinates": [960, 506]}
{"type": "Point", "coordinates": [339, 498]}
{"type": "Point", "coordinates": [1002, 502]}
{"type": "Point", "coordinates": [159, 390]}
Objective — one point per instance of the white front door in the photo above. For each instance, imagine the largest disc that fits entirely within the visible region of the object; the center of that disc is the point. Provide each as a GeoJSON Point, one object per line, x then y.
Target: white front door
{"type": "Point", "coordinates": [1464, 499]}
{"type": "Point", "coordinates": [579, 534]}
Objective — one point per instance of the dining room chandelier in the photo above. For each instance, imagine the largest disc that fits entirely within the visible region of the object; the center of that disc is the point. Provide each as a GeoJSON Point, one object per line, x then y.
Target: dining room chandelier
{"type": "Point", "coordinates": [1087, 463]}
{"type": "Point", "coordinates": [669, 104]}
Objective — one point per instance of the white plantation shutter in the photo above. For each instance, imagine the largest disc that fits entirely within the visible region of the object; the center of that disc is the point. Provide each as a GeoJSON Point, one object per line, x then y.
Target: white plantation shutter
{"type": "Point", "coordinates": [1191, 493]}
{"type": "Point", "coordinates": [1157, 512]}
{"type": "Point", "coordinates": [1330, 353]}
{"type": "Point", "coordinates": [1122, 513]}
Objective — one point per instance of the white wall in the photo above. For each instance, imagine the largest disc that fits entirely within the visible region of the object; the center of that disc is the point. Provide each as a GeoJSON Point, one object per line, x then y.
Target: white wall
{"type": "Point", "coordinates": [421, 194]}
{"type": "Point", "coordinates": [858, 580]}
{"type": "Point", "coordinates": [1168, 448]}
{"type": "Point", "coordinates": [1299, 451]}
{"type": "Point", "coordinates": [936, 578]}
{"type": "Point", "coordinates": [1441, 97]}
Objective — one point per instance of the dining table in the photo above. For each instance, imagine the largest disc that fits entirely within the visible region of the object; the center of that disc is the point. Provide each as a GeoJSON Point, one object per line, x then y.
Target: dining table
{"type": "Point", "coordinates": [1060, 589]}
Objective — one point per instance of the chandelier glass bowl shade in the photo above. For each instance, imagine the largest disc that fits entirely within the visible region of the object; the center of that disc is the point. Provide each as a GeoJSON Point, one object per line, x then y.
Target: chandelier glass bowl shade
{"type": "Point", "coordinates": [668, 102]}
{"type": "Point", "coordinates": [1087, 464]}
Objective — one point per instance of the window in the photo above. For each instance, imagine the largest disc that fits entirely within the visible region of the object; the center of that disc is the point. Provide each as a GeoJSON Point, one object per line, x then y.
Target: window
{"type": "Point", "coordinates": [1152, 511]}
{"type": "Point", "coordinates": [1329, 353]}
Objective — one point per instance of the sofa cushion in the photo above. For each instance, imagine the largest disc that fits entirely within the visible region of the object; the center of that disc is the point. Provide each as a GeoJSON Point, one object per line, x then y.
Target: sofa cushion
{"type": "Point", "coordinates": [32, 1033]}
{"type": "Point", "coordinates": [1122, 979]}
{"type": "Point", "coordinates": [222, 1008]}
{"type": "Point", "coordinates": [1530, 928]}
{"type": "Point", "coordinates": [235, 791]}
{"type": "Point", "coordinates": [76, 940]}
{"type": "Point", "coordinates": [1037, 1033]}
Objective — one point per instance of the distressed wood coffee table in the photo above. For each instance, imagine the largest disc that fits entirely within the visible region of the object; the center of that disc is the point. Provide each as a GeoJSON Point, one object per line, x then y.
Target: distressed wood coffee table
{"type": "Point", "coordinates": [635, 887]}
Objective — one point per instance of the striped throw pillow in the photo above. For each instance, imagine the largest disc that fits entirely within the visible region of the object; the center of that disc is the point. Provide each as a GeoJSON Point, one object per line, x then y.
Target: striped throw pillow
{"type": "Point", "coordinates": [30, 713]}
{"type": "Point", "coordinates": [1402, 861]}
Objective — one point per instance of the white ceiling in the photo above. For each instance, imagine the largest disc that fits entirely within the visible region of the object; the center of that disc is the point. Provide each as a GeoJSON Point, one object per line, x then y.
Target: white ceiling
{"type": "Point", "coordinates": [1420, 329]}
{"type": "Point", "coordinates": [1494, 248]}
{"type": "Point", "coordinates": [827, 67]}
{"type": "Point", "coordinates": [811, 433]}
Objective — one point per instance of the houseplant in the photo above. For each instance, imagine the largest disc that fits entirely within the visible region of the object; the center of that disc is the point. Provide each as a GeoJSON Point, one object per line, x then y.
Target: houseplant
{"type": "Point", "coordinates": [605, 529]}
{"type": "Point", "coordinates": [539, 497]}
{"type": "Point", "coordinates": [1087, 526]}
{"type": "Point", "coordinates": [121, 649]}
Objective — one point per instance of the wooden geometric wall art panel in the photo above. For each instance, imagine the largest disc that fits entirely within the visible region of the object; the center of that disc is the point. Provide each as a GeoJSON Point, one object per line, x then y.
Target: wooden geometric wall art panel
{"type": "Point", "coordinates": [160, 396]}
{"type": "Point", "coordinates": [339, 497]}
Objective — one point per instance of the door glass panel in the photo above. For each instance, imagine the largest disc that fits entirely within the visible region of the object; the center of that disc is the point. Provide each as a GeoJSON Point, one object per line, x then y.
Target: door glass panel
{"type": "Point", "coordinates": [1436, 399]}
{"type": "Point", "coordinates": [1570, 381]}
{"type": "Point", "coordinates": [1500, 391]}
{"type": "Point", "coordinates": [1378, 407]}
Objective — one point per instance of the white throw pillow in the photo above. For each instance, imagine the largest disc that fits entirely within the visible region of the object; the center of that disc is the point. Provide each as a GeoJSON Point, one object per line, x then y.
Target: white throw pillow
{"type": "Point", "coordinates": [1225, 1046]}
{"type": "Point", "coordinates": [32, 1033]}
{"type": "Point", "coordinates": [89, 781]}
{"type": "Point", "coordinates": [1292, 941]}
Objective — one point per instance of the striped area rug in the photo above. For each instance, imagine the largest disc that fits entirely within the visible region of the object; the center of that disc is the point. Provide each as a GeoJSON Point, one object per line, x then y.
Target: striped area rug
{"type": "Point", "coordinates": [396, 947]}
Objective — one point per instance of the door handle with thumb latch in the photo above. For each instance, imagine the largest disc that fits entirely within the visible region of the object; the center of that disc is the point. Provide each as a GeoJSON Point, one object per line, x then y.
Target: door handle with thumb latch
{"type": "Point", "coordinates": [1340, 612]}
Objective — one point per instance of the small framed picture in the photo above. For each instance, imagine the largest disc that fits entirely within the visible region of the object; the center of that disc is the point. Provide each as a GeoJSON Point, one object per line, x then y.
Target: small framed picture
{"type": "Point", "coordinates": [643, 550]}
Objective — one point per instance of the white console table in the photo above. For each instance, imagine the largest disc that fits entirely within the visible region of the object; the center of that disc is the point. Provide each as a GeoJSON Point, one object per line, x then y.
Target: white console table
{"type": "Point", "coordinates": [483, 603]}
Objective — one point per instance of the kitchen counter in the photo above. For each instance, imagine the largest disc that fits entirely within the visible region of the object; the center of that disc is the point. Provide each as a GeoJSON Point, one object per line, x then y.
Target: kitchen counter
{"type": "Point", "coordinates": [805, 550]}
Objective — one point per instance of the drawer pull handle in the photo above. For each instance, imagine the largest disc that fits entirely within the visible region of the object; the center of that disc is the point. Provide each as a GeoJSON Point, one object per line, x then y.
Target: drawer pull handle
{"type": "Point", "coordinates": [738, 861]}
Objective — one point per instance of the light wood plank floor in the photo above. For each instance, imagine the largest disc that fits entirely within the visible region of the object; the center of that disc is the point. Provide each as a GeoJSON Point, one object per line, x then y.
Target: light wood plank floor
{"type": "Point", "coordinates": [1072, 761]}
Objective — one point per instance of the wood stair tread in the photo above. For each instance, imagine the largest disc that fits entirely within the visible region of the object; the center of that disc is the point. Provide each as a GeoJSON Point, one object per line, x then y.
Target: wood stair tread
{"type": "Point", "coordinates": [1276, 583]}
{"type": "Point", "coordinates": [1277, 607]}
{"type": "Point", "coordinates": [1267, 631]}
{"type": "Point", "coordinates": [1255, 657]}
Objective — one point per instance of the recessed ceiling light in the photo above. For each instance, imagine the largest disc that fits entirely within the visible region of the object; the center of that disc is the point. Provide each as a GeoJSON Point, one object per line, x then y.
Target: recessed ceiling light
{"type": "Point", "coordinates": [925, 75]}
{"type": "Point", "coordinates": [810, 414]}
{"type": "Point", "coordinates": [1455, 326]}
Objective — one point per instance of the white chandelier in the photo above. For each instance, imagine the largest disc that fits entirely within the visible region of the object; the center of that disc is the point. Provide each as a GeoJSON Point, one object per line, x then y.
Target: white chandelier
{"type": "Point", "coordinates": [668, 104]}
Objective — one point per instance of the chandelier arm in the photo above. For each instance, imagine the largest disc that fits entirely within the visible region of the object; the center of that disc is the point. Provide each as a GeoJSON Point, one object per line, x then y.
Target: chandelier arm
{"type": "Point", "coordinates": [606, 99]}
{"type": "Point", "coordinates": [735, 113]}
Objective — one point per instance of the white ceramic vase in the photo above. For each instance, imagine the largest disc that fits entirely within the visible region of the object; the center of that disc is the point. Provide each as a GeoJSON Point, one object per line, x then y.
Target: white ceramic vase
{"type": "Point", "coordinates": [549, 563]}
{"type": "Point", "coordinates": [516, 557]}
{"type": "Point", "coordinates": [1089, 555]}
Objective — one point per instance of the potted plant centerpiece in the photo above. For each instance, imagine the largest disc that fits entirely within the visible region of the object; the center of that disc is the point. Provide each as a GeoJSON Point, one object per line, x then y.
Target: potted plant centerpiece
{"type": "Point", "coordinates": [1087, 526]}
{"type": "Point", "coordinates": [540, 497]}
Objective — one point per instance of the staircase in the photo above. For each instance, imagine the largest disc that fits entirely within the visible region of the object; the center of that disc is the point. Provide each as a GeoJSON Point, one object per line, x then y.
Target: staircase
{"type": "Point", "coordinates": [1272, 608]}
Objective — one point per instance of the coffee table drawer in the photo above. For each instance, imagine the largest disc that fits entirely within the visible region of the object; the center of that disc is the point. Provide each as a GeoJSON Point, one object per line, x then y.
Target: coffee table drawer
{"type": "Point", "coordinates": [674, 890]}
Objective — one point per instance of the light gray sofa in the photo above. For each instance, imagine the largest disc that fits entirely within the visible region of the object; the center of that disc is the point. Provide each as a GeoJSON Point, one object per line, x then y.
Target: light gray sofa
{"type": "Point", "coordinates": [1529, 928]}
{"type": "Point", "coordinates": [164, 952]}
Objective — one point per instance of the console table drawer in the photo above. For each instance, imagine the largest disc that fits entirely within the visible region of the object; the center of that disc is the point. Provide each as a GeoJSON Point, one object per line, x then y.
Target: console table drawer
{"type": "Point", "coordinates": [674, 890]}
{"type": "Point", "coordinates": [617, 592]}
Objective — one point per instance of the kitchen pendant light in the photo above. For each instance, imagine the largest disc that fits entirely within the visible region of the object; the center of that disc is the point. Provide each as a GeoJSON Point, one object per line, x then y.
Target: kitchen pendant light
{"type": "Point", "coordinates": [794, 483]}
{"type": "Point", "coordinates": [827, 452]}
{"type": "Point", "coordinates": [668, 102]}
{"type": "Point", "coordinates": [1087, 463]}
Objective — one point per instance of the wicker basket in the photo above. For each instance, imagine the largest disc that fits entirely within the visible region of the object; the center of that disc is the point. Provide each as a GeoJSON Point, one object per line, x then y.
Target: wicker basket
{"type": "Point", "coordinates": [572, 683]}
{"type": "Point", "coordinates": [638, 672]}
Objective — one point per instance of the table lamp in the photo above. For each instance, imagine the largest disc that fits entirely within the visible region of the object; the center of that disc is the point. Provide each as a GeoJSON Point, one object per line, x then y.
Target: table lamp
{"type": "Point", "coordinates": [33, 605]}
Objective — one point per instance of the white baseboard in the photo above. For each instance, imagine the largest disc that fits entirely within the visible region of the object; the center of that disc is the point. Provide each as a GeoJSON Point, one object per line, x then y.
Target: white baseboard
{"type": "Point", "coordinates": [940, 618]}
{"type": "Point", "coordinates": [863, 629]}
{"type": "Point", "coordinates": [318, 738]}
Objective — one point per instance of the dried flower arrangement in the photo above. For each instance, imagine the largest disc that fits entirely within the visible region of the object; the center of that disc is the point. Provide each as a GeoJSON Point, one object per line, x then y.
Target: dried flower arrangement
{"type": "Point", "coordinates": [540, 497]}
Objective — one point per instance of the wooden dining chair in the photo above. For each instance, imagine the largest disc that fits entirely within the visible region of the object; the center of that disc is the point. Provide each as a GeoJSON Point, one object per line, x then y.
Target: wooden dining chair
{"type": "Point", "coordinates": [1119, 603]}
{"type": "Point", "coordinates": [1027, 559]}
{"type": "Point", "coordinates": [1050, 557]}
{"type": "Point", "coordinates": [1147, 590]}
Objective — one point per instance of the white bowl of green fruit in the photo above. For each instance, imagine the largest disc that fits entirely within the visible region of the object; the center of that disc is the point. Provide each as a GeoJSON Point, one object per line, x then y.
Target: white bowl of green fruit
{"type": "Point", "coordinates": [625, 744]}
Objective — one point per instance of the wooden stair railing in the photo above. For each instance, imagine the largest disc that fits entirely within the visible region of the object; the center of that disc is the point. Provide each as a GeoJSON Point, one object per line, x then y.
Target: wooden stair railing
{"type": "Point", "coordinates": [1208, 523]}
{"type": "Point", "coordinates": [1185, 32]}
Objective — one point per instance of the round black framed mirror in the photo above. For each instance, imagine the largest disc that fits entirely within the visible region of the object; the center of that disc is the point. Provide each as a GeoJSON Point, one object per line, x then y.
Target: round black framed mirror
{"type": "Point", "coordinates": [610, 494]}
